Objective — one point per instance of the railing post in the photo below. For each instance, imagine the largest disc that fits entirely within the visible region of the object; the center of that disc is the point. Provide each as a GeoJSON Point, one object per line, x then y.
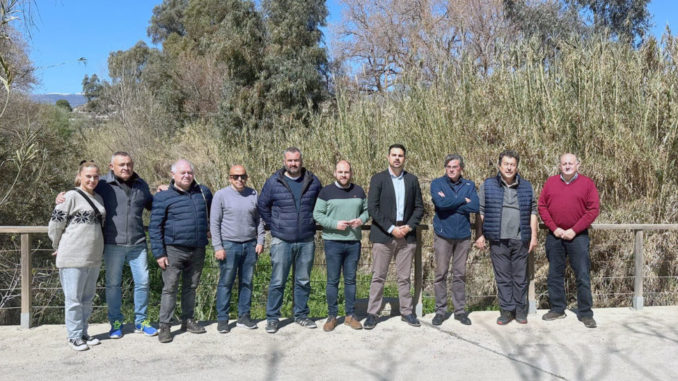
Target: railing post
{"type": "Point", "coordinates": [638, 272]}
{"type": "Point", "coordinates": [26, 280]}
{"type": "Point", "coordinates": [418, 275]}
{"type": "Point", "coordinates": [531, 294]}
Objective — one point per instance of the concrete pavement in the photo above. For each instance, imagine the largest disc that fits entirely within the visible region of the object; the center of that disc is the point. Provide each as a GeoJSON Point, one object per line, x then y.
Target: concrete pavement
{"type": "Point", "coordinates": [627, 345]}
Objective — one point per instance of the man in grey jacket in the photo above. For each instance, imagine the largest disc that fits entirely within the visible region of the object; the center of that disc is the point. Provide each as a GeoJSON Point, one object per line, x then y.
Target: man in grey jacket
{"type": "Point", "coordinates": [125, 196]}
{"type": "Point", "coordinates": [238, 239]}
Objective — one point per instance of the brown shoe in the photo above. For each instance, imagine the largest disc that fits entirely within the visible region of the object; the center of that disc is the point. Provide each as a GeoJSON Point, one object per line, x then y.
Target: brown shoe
{"type": "Point", "coordinates": [352, 322]}
{"type": "Point", "coordinates": [330, 324]}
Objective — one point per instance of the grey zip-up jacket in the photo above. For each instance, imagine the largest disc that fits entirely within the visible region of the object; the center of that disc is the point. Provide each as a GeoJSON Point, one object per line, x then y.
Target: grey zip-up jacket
{"type": "Point", "coordinates": [124, 208]}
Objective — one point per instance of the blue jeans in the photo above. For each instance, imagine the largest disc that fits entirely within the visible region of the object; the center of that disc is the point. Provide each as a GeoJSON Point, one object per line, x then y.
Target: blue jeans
{"type": "Point", "coordinates": [79, 284]}
{"type": "Point", "coordinates": [240, 259]}
{"type": "Point", "coordinates": [283, 254]}
{"type": "Point", "coordinates": [577, 250]}
{"type": "Point", "coordinates": [340, 254]}
{"type": "Point", "coordinates": [115, 257]}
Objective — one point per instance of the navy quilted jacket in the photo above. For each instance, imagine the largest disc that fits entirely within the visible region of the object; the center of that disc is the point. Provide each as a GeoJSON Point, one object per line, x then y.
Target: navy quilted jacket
{"type": "Point", "coordinates": [179, 218]}
{"type": "Point", "coordinates": [279, 211]}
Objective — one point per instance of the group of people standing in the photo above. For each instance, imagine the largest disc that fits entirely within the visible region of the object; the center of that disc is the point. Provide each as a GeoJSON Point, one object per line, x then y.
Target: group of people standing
{"type": "Point", "coordinates": [103, 219]}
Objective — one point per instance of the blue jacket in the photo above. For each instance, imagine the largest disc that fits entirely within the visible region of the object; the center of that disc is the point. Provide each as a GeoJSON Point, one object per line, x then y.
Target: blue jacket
{"type": "Point", "coordinates": [124, 208]}
{"type": "Point", "coordinates": [494, 201]}
{"type": "Point", "coordinates": [279, 210]}
{"type": "Point", "coordinates": [179, 218]}
{"type": "Point", "coordinates": [452, 220]}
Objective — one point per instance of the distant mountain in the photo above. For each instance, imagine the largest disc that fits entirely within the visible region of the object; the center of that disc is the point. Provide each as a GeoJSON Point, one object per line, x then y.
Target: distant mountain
{"type": "Point", "coordinates": [75, 100]}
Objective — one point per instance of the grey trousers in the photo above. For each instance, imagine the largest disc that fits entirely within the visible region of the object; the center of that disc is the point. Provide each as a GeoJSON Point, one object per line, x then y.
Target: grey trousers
{"type": "Point", "coordinates": [185, 262]}
{"type": "Point", "coordinates": [457, 251]}
{"type": "Point", "coordinates": [509, 259]}
{"type": "Point", "coordinates": [381, 258]}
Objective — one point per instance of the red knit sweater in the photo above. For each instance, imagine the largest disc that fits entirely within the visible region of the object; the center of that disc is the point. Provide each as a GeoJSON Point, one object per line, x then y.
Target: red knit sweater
{"type": "Point", "coordinates": [574, 205]}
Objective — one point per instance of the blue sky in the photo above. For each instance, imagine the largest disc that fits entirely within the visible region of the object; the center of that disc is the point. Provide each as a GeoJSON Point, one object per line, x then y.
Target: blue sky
{"type": "Point", "coordinates": [66, 30]}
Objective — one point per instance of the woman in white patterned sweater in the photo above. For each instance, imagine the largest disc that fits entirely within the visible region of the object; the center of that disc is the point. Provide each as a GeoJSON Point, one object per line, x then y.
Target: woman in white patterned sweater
{"type": "Point", "coordinates": [75, 229]}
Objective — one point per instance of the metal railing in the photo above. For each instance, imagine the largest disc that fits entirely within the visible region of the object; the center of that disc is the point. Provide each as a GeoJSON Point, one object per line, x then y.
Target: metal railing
{"type": "Point", "coordinates": [637, 301]}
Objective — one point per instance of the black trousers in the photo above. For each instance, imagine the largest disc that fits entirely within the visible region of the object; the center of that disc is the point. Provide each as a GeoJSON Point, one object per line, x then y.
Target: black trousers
{"type": "Point", "coordinates": [509, 260]}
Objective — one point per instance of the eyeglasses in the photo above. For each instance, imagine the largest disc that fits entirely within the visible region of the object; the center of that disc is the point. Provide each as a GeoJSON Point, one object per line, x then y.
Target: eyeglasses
{"type": "Point", "coordinates": [236, 177]}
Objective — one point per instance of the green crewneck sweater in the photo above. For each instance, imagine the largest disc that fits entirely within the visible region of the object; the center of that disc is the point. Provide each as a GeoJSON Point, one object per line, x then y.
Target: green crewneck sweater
{"type": "Point", "coordinates": [335, 204]}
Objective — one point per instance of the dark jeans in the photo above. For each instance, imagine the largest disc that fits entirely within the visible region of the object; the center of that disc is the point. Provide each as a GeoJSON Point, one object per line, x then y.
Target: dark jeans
{"type": "Point", "coordinates": [186, 262]}
{"type": "Point", "coordinates": [340, 254]}
{"type": "Point", "coordinates": [240, 259]}
{"type": "Point", "coordinates": [577, 250]}
{"type": "Point", "coordinates": [283, 255]}
{"type": "Point", "coordinates": [509, 259]}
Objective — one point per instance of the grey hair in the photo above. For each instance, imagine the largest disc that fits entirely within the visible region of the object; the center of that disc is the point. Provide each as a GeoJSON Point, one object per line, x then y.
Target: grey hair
{"type": "Point", "coordinates": [174, 166]}
{"type": "Point", "coordinates": [454, 156]}
{"type": "Point", "coordinates": [292, 150]}
{"type": "Point", "coordinates": [569, 153]}
{"type": "Point", "coordinates": [120, 153]}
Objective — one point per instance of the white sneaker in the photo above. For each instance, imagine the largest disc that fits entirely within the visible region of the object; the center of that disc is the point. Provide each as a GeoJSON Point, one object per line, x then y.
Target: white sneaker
{"type": "Point", "coordinates": [90, 340]}
{"type": "Point", "coordinates": [78, 344]}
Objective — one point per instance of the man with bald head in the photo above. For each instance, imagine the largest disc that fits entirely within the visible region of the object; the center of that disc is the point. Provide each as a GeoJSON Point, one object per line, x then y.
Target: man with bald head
{"type": "Point", "coordinates": [568, 205]}
{"type": "Point", "coordinates": [341, 209]}
{"type": "Point", "coordinates": [238, 239]}
{"type": "Point", "coordinates": [179, 230]}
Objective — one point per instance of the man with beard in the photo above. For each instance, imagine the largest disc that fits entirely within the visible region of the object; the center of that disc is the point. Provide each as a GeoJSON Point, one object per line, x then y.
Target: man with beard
{"type": "Point", "coordinates": [341, 209]}
{"type": "Point", "coordinates": [396, 206]}
{"type": "Point", "coordinates": [286, 205]}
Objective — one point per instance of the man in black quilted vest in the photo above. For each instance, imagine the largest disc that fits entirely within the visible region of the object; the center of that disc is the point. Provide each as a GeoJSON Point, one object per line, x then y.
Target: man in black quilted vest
{"type": "Point", "coordinates": [508, 220]}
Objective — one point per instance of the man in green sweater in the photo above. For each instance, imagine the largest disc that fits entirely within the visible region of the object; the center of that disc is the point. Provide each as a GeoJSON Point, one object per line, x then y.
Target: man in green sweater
{"type": "Point", "coordinates": [341, 209]}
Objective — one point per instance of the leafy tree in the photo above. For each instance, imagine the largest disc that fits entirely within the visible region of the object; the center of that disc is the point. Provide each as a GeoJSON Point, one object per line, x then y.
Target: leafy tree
{"type": "Point", "coordinates": [628, 20]}
{"type": "Point", "coordinates": [167, 19]}
{"type": "Point", "coordinates": [296, 64]}
{"type": "Point", "coordinates": [63, 104]}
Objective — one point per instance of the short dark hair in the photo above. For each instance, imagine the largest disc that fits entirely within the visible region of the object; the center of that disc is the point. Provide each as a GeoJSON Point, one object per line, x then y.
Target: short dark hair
{"type": "Point", "coordinates": [454, 156]}
{"type": "Point", "coordinates": [399, 146]}
{"type": "Point", "coordinates": [292, 150]}
{"type": "Point", "coordinates": [509, 153]}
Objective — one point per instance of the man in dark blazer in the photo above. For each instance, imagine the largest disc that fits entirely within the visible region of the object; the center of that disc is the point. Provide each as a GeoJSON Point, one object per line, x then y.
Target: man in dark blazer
{"type": "Point", "coordinates": [396, 207]}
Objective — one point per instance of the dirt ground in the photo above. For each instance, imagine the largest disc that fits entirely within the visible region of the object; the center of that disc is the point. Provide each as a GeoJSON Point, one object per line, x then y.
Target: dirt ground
{"type": "Point", "coordinates": [627, 345]}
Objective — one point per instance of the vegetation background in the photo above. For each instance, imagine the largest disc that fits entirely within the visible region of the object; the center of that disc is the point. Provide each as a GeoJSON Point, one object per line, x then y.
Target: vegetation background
{"type": "Point", "coordinates": [236, 82]}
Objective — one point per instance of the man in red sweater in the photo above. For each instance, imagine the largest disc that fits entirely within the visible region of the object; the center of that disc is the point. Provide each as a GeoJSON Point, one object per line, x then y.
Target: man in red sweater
{"type": "Point", "coordinates": [568, 205]}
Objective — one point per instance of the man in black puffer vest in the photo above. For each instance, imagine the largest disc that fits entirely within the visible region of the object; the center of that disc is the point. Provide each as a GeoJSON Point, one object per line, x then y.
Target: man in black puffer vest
{"type": "Point", "coordinates": [508, 219]}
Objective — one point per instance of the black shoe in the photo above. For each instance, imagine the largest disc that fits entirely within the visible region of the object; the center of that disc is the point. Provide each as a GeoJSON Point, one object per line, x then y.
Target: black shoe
{"type": "Point", "coordinates": [521, 317]}
{"type": "Point", "coordinates": [370, 322]}
{"type": "Point", "coordinates": [438, 319]}
{"type": "Point", "coordinates": [222, 326]}
{"type": "Point", "coordinates": [505, 317]}
{"type": "Point", "coordinates": [244, 321]}
{"type": "Point", "coordinates": [272, 326]}
{"type": "Point", "coordinates": [462, 318]}
{"type": "Point", "coordinates": [589, 322]}
{"type": "Point", "coordinates": [553, 315]}
{"type": "Point", "coordinates": [164, 334]}
{"type": "Point", "coordinates": [411, 319]}
{"type": "Point", "coordinates": [306, 322]}
{"type": "Point", "coordinates": [192, 326]}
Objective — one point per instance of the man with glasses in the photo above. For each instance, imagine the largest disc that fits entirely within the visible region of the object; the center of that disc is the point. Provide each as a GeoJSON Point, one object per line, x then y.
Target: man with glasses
{"type": "Point", "coordinates": [238, 239]}
{"type": "Point", "coordinates": [286, 204]}
{"type": "Point", "coordinates": [508, 219]}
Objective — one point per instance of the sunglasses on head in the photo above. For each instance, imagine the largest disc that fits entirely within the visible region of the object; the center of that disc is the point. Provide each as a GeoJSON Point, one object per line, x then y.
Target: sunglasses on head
{"type": "Point", "coordinates": [236, 177]}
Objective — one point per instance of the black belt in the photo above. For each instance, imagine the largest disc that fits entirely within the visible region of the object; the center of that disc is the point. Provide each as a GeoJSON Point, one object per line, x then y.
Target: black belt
{"type": "Point", "coordinates": [399, 223]}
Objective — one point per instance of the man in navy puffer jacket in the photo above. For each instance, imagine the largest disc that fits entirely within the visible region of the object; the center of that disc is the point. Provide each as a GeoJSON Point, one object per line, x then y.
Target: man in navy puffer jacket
{"type": "Point", "coordinates": [178, 230]}
{"type": "Point", "coordinates": [286, 205]}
